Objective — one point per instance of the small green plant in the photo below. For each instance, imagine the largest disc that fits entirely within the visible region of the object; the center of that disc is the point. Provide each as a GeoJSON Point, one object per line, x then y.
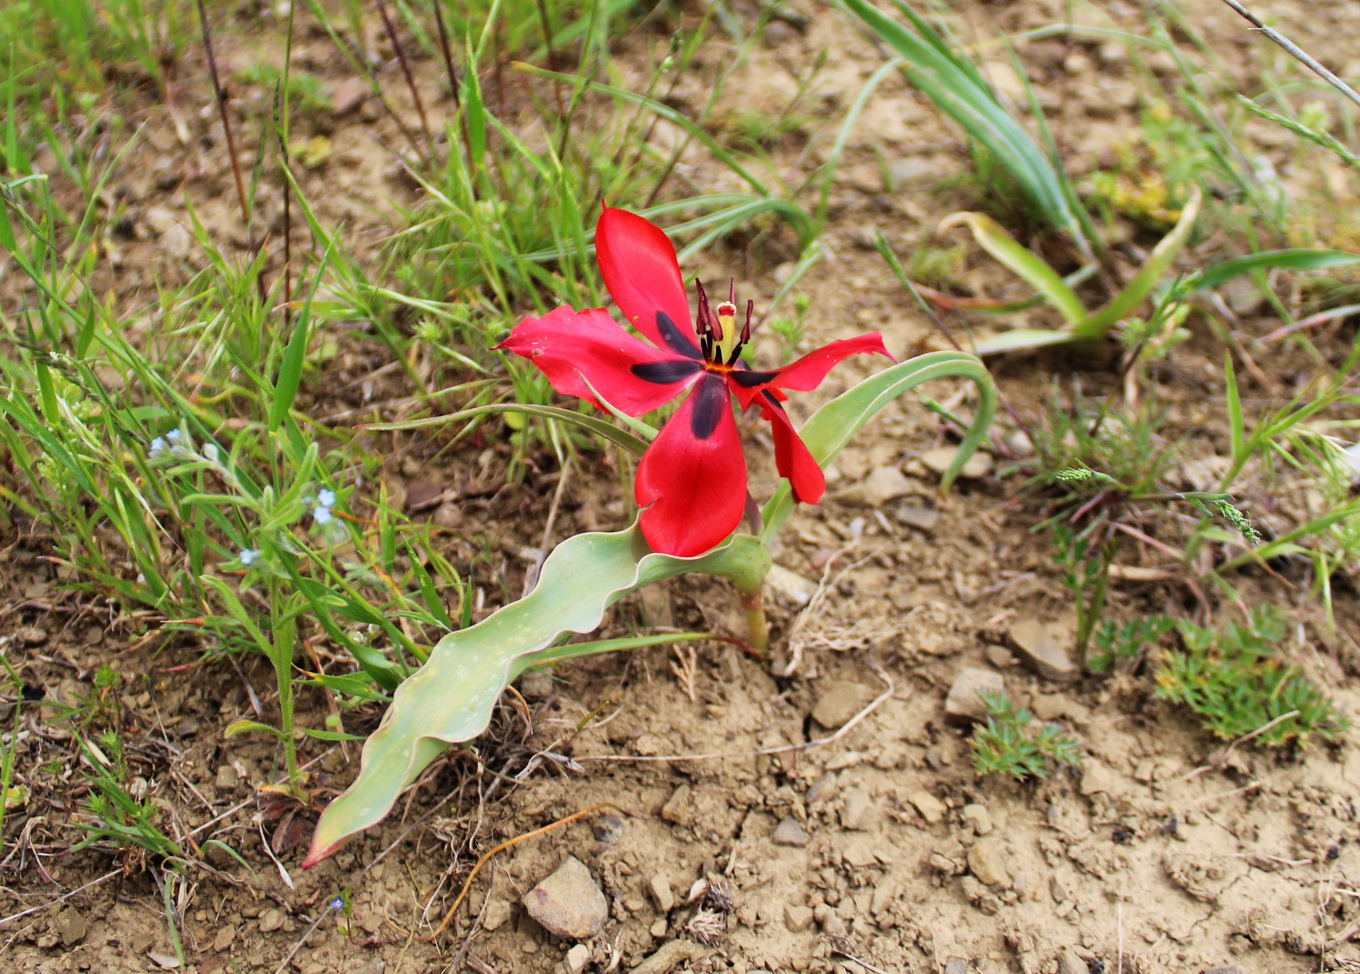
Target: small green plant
{"type": "Point", "coordinates": [112, 815]}
{"type": "Point", "coordinates": [1011, 743]}
{"type": "Point", "coordinates": [1232, 679]}
{"type": "Point", "coordinates": [791, 330]}
{"type": "Point", "coordinates": [1124, 644]}
{"type": "Point", "coordinates": [1086, 574]}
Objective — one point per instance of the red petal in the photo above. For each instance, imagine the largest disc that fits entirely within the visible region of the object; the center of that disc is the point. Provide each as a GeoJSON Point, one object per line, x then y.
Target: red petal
{"type": "Point", "coordinates": [568, 345]}
{"type": "Point", "coordinates": [808, 372]}
{"type": "Point", "coordinates": [691, 482]}
{"type": "Point", "coordinates": [643, 277]}
{"type": "Point", "coordinates": [792, 457]}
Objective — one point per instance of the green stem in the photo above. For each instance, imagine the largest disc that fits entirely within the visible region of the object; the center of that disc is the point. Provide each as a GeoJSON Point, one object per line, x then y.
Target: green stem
{"type": "Point", "coordinates": [285, 626]}
{"type": "Point", "coordinates": [754, 604]}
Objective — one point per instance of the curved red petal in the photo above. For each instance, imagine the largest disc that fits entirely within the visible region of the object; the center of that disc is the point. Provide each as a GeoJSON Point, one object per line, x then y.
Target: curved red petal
{"type": "Point", "coordinates": [807, 372]}
{"type": "Point", "coordinates": [576, 347]}
{"type": "Point", "coordinates": [792, 457]}
{"type": "Point", "coordinates": [691, 482]}
{"type": "Point", "coordinates": [639, 267]}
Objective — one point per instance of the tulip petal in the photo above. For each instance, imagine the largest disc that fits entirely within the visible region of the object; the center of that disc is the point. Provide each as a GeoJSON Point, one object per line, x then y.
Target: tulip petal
{"type": "Point", "coordinates": [807, 372]}
{"type": "Point", "coordinates": [576, 347]}
{"type": "Point", "coordinates": [791, 455]}
{"type": "Point", "coordinates": [637, 261]}
{"type": "Point", "coordinates": [691, 482]}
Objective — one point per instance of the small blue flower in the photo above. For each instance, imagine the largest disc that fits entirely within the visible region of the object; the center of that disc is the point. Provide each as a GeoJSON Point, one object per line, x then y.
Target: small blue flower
{"type": "Point", "coordinates": [322, 516]}
{"type": "Point", "coordinates": [158, 446]}
{"type": "Point", "coordinates": [249, 556]}
{"type": "Point", "coordinates": [173, 436]}
{"type": "Point", "coordinates": [337, 904]}
{"type": "Point", "coordinates": [325, 497]}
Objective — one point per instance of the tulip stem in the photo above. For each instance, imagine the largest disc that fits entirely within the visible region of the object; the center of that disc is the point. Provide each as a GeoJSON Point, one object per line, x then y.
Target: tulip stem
{"type": "Point", "coordinates": [754, 604]}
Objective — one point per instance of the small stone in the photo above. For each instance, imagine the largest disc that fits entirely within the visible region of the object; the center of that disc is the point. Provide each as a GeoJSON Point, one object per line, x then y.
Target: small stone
{"type": "Point", "coordinates": [30, 635]}
{"type": "Point", "coordinates": [789, 832]}
{"type": "Point", "coordinates": [790, 586]}
{"type": "Point", "coordinates": [658, 929]}
{"type": "Point", "coordinates": [882, 485]}
{"type": "Point", "coordinates": [667, 957]}
{"type": "Point", "coordinates": [839, 702]}
{"type": "Point", "coordinates": [348, 95]}
{"type": "Point", "coordinates": [271, 920]}
{"type": "Point", "coordinates": [1097, 777]}
{"type": "Point", "coordinates": [70, 926]}
{"type": "Point", "coordinates": [227, 778]}
{"type": "Point", "coordinates": [822, 789]}
{"type": "Point", "coordinates": [1057, 889]}
{"type": "Point", "coordinates": [679, 810]}
{"type": "Point", "coordinates": [608, 828]}
{"type": "Point", "coordinates": [915, 169]}
{"type": "Point", "coordinates": [956, 967]}
{"type": "Point", "coordinates": [536, 685]}
{"type": "Point", "coordinates": [1042, 646]}
{"type": "Point", "coordinates": [1070, 962]}
{"type": "Point", "coordinates": [177, 241]}
{"type": "Point", "coordinates": [568, 903]}
{"type": "Point", "coordinates": [1221, 970]}
{"type": "Point", "coordinates": [497, 913]}
{"type": "Point", "coordinates": [963, 702]}
{"type": "Point", "coordinates": [859, 811]}
{"type": "Point", "coordinates": [1000, 657]}
{"type": "Point", "coordinates": [797, 918]}
{"type": "Point", "coordinates": [987, 863]}
{"type": "Point", "coordinates": [659, 889]}
{"type": "Point", "coordinates": [920, 518]}
{"type": "Point", "coordinates": [576, 960]}
{"type": "Point", "coordinates": [930, 807]}
{"type": "Point", "coordinates": [940, 458]}
{"type": "Point", "coordinates": [223, 939]}
{"type": "Point", "coordinates": [979, 818]}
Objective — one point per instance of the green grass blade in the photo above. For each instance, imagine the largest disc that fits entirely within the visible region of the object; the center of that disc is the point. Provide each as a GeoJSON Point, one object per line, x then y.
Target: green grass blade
{"type": "Point", "coordinates": [632, 443]}
{"type": "Point", "coordinates": [449, 699]}
{"type": "Point", "coordinates": [1293, 260]}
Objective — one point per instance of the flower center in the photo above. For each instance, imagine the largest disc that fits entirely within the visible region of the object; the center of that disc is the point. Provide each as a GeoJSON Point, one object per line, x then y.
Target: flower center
{"type": "Point", "coordinates": [717, 331]}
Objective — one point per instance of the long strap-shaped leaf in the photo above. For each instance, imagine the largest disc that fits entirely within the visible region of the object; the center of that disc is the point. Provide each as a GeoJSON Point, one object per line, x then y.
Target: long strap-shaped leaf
{"type": "Point", "coordinates": [828, 429]}
{"type": "Point", "coordinates": [449, 699]}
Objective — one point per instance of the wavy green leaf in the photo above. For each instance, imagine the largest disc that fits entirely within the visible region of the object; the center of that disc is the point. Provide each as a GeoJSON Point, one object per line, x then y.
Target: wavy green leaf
{"type": "Point", "coordinates": [449, 699]}
{"type": "Point", "coordinates": [1022, 262]}
{"type": "Point", "coordinates": [828, 429]}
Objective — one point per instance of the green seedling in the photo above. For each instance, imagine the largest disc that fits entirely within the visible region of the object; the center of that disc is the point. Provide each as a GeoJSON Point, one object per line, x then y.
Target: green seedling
{"type": "Point", "coordinates": [1121, 647]}
{"type": "Point", "coordinates": [1013, 743]}
{"type": "Point", "coordinates": [1235, 682]}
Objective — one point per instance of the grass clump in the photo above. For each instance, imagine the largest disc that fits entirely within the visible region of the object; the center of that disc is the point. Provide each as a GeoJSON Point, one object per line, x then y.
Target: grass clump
{"type": "Point", "coordinates": [1233, 681]}
{"type": "Point", "coordinates": [1013, 743]}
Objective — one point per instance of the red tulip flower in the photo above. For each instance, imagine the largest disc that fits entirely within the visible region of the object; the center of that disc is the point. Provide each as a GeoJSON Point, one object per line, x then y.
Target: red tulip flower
{"type": "Point", "coordinates": [691, 481]}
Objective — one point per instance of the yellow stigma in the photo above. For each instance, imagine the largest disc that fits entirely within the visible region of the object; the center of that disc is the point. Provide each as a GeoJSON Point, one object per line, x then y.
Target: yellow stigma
{"type": "Point", "coordinates": [727, 317]}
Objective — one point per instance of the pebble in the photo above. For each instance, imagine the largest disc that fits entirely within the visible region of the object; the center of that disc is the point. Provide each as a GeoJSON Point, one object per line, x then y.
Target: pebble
{"type": "Point", "coordinates": [920, 518]}
{"type": "Point", "coordinates": [1043, 647]}
{"type": "Point", "coordinates": [797, 918]}
{"type": "Point", "coordinates": [979, 818]}
{"type": "Point", "coordinates": [668, 956]}
{"type": "Point", "coordinates": [882, 485]}
{"type": "Point", "coordinates": [608, 828]}
{"type": "Point", "coordinates": [1000, 657]}
{"type": "Point", "coordinates": [577, 958]}
{"type": "Point", "coordinates": [30, 635]}
{"type": "Point", "coordinates": [859, 811]}
{"type": "Point", "coordinates": [1222, 970]}
{"type": "Point", "coordinates": [679, 810]}
{"type": "Point", "coordinates": [930, 807]}
{"type": "Point", "coordinates": [1070, 962]}
{"type": "Point", "coordinates": [659, 889]}
{"type": "Point", "coordinates": [839, 702]}
{"type": "Point", "coordinates": [939, 459]}
{"type": "Point", "coordinates": [915, 169]}
{"type": "Point", "coordinates": [536, 685]}
{"type": "Point", "coordinates": [177, 242]}
{"type": "Point", "coordinates": [963, 702]}
{"type": "Point", "coordinates": [568, 903]}
{"type": "Point", "coordinates": [271, 920]}
{"type": "Point", "coordinates": [497, 914]}
{"type": "Point", "coordinates": [71, 926]}
{"type": "Point", "coordinates": [227, 778]}
{"type": "Point", "coordinates": [986, 862]}
{"type": "Point", "coordinates": [790, 586]}
{"type": "Point", "coordinates": [789, 832]}
{"type": "Point", "coordinates": [956, 967]}
{"type": "Point", "coordinates": [821, 789]}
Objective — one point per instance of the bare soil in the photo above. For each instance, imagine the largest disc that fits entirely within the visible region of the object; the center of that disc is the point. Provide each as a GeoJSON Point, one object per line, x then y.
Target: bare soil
{"type": "Point", "coordinates": [749, 835]}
